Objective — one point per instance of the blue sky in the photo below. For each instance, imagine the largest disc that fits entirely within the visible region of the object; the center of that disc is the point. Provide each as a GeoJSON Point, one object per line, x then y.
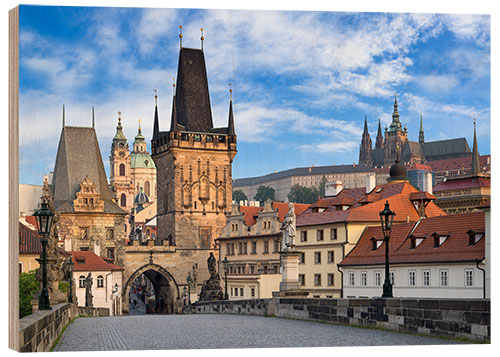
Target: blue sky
{"type": "Point", "coordinates": [302, 81]}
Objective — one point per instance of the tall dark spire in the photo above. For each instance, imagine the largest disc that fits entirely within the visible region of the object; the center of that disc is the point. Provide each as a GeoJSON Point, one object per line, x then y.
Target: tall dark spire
{"type": "Point", "coordinates": [365, 150]}
{"type": "Point", "coordinates": [173, 121]}
{"type": "Point", "coordinates": [230, 125]}
{"type": "Point", "coordinates": [475, 154]}
{"type": "Point", "coordinates": [93, 118]}
{"type": "Point", "coordinates": [156, 124]}
{"type": "Point", "coordinates": [64, 117]}
{"type": "Point", "coordinates": [421, 138]}
{"type": "Point", "coordinates": [396, 124]}
{"type": "Point", "coordinates": [379, 143]}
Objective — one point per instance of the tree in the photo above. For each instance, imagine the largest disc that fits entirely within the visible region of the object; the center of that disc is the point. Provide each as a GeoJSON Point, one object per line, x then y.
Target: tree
{"type": "Point", "coordinates": [322, 186]}
{"type": "Point", "coordinates": [28, 286]}
{"type": "Point", "coordinates": [299, 194]}
{"type": "Point", "coordinates": [239, 195]}
{"type": "Point", "coordinates": [264, 193]}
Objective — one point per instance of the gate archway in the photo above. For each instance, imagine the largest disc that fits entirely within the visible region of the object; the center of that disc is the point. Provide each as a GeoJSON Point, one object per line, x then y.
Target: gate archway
{"type": "Point", "coordinates": [167, 297]}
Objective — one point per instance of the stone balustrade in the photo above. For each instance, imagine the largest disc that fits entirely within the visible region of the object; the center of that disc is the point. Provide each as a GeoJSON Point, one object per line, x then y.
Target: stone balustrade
{"type": "Point", "coordinates": [449, 318]}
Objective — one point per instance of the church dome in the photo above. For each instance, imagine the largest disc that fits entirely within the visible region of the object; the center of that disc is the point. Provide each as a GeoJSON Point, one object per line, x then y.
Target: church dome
{"type": "Point", "coordinates": [141, 198]}
{"type": "Point", "coordinates": [397, 172]}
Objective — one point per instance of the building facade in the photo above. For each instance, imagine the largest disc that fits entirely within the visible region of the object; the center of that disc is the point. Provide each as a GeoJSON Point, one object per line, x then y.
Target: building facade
{"type": "Point", "coordinates": [131, 172]}
{"type": "Point", "coordinates": [251, 243]}
{"type": "Point", "coordinates": [395, 144]}
{"type": "Point", "coordinates": [89, 218]}
{"type": "Point", "coordinates": [332, 226]}
{"type": "Point", "coordinates": [435, 257]}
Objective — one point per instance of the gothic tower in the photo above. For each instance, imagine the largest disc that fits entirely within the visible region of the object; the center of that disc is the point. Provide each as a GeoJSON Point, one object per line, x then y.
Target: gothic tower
{"type": "Point", "coordinates": [395, 138]}
{"type": "Point", "coordinates": [379, 143]}
{"type": "Point", "coordinates": [476, 165]}
{"type": "Point", "coordinates": [421, 137]}
{"type": "Point", "coordinates": [193, 160]}
{"type": "Point", "coordinates": [119, 173]}
{"type": "Point", "coordinates": [365, 151]}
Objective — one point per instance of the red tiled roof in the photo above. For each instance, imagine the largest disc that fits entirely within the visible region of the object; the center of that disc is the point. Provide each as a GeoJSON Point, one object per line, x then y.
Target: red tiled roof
{"type": "Point", "coordinates": [89, 261]}
{"type": "Point", "coordinates": [31, 220]}
{"type": "Point", "coordinates": [267, 235]}
{"type": "Point", "coordinates": [463, 183]}
{"type": "Point", "coordinates": [29, 241]}
{"type": "Point", "coordinates": [455, 248]}
{"type": "Point", "coordinates": [352, 194]}
{"type": "Point", "coordinates": [419, 167]}
{"type": "Point", "coordinates": [457, 163]}
{"type": "Point", "coordinates": [397, 194]}
{"type": "Point", "coordinates": [251, 213]}
{"type": "Point", "coordinates": [422, 195]}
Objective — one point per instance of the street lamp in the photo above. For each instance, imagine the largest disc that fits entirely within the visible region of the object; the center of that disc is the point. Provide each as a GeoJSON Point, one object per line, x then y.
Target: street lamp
{"type": "Point", "coordinates": [44, 218]}
{"type": "Point", "coordinates": [226, 268]}
{"type": "Point", "coordinates": [189, 280]}
{"type": "Point", "coordinates": [386, 219]}
{"type": "Point", "coordinates": [70, 271]}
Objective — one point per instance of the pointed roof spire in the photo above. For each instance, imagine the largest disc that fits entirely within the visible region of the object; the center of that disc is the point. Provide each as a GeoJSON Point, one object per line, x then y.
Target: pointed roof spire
{"type": "Point", "coordinates": [180, 36]}
{"type": "Point", "coordinates": [93, 118]}
{"type": "Point", "coordinates": [421, 137]}
{"type": "Point", "coordinates": [156, 125]}
{"type": "Point", "coordinates": [396, 124]}
{"type": "Point", "coordinates": [202, 38]}
{"type": "Point", "coordinates": [365, 130]}
{"type": "Point", "coordinates": [173, 121]}
{"type": "Point", "coordinates": [64, 117]}
{"type": "Point", "coordinates": [230, 126]}
{"type": "Point", "coordinates": [475, 154]}
{"type": "Point", "coordinates": [119, 130]}
{"type": "Point", "coordinates": [379, 143]}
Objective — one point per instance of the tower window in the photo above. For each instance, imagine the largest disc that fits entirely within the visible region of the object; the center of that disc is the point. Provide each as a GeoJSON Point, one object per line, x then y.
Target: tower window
{"type": "Point", "coordinates": [147, 188]}
{"type": "Point", "coordinates": [123, 200]}
{"type": "Point", "coordinates": [122, 170]}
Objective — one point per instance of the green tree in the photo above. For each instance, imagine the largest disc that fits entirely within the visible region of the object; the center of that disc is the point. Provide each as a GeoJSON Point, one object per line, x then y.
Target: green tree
{"type": "Point", "coordinates": [322, 186]}
{"type": "Point", "coordinates": [28, 286]}
{"type": "Point", "coordinates": [264, 193]}
{"type": "Point", "coordinates": [239, 195]}
{"type": "Point", "coordinates": [299, 194]}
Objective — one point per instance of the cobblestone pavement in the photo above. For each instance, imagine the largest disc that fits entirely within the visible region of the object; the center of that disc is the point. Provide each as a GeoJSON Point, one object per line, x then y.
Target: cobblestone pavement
{"type": "Point", "coordinates": [162, 332]}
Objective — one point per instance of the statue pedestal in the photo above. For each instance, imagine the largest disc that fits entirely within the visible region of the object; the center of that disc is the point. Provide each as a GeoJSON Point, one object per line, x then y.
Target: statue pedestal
{"type": "Point", "coordinates": [289, 285]}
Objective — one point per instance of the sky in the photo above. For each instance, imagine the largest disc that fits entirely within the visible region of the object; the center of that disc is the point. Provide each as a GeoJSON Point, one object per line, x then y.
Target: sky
{"type": "Point", "coordinates": [302, 81]}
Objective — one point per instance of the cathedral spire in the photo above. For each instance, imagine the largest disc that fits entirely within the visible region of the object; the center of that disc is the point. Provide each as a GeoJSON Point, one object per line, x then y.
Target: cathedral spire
{"type": "Point", "coordinates": [93, 118]}
{"type": "Point", "coordinates": [475, 154]}
{"type": "Point", "coordinates": [173, 122]}
{"type": "Point", "coordinates": [396, 124]}
{"type": "Point", "coordinates": [230, 125]}
{"type": "Point", "coordinates": [156, 125]}
{"type": "Point", "coordinates": [379, 143]}
{"type": "Point", "coordinates": [64, 117]}
{"type": "Point", "coordinates": [421, 138]}
{"type": "Point", "coordinates": [365, 150]}
{"type": "Point", "coordinates": [365, 130]}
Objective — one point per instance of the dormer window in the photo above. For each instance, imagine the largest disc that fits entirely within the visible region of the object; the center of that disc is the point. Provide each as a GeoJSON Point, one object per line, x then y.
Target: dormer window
{"type": "Point", "coordinates": [379, 190]}
{"type": "Point", "coordinates": [439, 239]}
{"type": "Point", "coordinates": [474, 236]}
{"type": "Point", "coordinates": [376, 243]}
{"type": "Point", "coordinates": [415, 241]}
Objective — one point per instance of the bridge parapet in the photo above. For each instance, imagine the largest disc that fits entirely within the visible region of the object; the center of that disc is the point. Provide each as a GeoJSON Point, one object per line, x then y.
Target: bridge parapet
{"type": "Point", "coordinates": [450, 318]}
{"type": "Point", "coordinates": [136, 247]}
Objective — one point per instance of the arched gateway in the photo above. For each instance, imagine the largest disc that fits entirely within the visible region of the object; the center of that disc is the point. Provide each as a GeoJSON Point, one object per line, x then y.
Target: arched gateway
{"type": "Point", "coordinates": [167, 297]}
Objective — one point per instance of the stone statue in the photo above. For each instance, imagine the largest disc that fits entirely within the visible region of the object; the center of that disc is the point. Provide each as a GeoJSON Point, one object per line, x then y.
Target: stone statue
{"type": "Point", "coordinates": [212, 265]}
{"type": "Point", "coordinates": [288, 228]}
{"type": "Point", "coordinates": [88, 291]}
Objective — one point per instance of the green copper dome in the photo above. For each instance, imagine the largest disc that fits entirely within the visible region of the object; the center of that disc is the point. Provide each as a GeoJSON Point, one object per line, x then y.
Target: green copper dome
{"type": "Point", "coordinates": [141, 160]}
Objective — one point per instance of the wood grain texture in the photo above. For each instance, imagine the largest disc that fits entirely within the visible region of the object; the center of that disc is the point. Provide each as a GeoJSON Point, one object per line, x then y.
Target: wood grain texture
{"type": "Point", "coordinates": [14, 178]}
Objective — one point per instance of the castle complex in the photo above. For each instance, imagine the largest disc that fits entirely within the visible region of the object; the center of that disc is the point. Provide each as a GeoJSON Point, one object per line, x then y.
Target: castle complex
{"type": "Point", "coordinates": [395, 144]}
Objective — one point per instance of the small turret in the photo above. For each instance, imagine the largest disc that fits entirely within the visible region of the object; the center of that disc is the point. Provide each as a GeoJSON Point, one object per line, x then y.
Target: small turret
{"type": "Point", "coordinates": [421, 138]}
{"type": "Point", "coordinates": [476, 166]}
{"type": "Point", "coordinates": [156, 124]}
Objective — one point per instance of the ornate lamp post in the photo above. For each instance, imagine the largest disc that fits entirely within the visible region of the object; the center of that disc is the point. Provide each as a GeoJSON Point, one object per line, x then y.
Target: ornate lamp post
{"type": "Point", "coordinates": [70, 270]}
{"type": "Point", "coordinates": [44, 218]}
{"type": "Point", "coordinates": [386, 219]}
{"type": "Point", "coordinates": [226, 268]}
{"type": "Point", "coordinates": [189, 280]}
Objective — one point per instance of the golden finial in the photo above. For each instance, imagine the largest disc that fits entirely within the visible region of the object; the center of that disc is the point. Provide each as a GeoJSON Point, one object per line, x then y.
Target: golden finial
{"type": "Point", "coordinates": [139, 120]}
{"type": "Point", "coordinates": [180, 34]}
{"type": "Point", "coordinates": [202, 38]}
{"type": "Point", "coordinates": [119, 113]}
{"type": "Point", "coordinates": [156, 97]}
{"type": "Point", "coordinates": [474, 121]}
{"type": "Point", "coordinates": [173, 85]}
{"type": "Point", "coordinates": [230, 92]}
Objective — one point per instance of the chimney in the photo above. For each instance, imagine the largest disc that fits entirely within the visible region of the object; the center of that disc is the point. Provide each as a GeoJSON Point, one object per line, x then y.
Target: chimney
{"type": "Point", "coordinates": [428, 182]}
{"type": "Point", "coordinates": [97, 248]}
{"type": "Point", "coordinates": [370, 183]}
{"type": "Point", "coordinates": [333, 188]}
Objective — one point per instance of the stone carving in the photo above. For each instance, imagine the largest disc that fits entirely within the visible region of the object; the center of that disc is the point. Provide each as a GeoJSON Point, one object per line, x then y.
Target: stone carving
{"type": "Point", "coordinates": [88, 291]}
{"type": "Point", "coordinates": [211, 289]}
{"type": "Point", "coordinates": [288, 228]}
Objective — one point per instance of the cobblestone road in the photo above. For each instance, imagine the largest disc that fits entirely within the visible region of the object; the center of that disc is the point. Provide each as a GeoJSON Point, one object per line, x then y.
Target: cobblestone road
{"type": "Point", "coordinates": [154, 332]}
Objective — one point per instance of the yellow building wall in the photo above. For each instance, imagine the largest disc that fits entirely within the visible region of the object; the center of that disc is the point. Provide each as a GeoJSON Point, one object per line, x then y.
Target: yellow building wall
{"type": "Point", "coordinates": [28, 262]}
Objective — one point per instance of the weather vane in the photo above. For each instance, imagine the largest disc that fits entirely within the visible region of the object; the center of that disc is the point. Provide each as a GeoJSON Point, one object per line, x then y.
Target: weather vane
{"type": "Point", "coordinates": [230, 92]}
{"type": "Point", "coordinates": [180, 34]}
{"type": "Point", "coordinates": [119, 113]}
{"type": "Point", "coordinates": [202, 38]}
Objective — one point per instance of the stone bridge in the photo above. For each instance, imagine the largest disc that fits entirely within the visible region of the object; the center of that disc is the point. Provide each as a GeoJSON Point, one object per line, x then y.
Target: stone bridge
{"type": "Point", "coordinates": [166, 266]}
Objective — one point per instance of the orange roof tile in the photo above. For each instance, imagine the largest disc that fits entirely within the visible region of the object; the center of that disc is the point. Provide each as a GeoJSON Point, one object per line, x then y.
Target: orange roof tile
{"type": "Point", "coordinates": [463, 183]}
{"type": "Point", "coordinates": [456, 248]}
{"type": "Point", "coordinates": [89, 261]}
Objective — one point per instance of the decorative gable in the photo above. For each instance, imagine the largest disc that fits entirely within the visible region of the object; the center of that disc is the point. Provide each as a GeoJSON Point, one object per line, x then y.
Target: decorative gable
{"type": "Point", "coordinates": [88, 199]}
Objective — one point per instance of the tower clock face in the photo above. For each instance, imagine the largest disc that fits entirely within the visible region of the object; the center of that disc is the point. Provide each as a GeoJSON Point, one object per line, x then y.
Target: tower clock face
{"type": "Point", "coordinates": [121, 154]}
{"type": "Point", "coordinates": [121, 144]}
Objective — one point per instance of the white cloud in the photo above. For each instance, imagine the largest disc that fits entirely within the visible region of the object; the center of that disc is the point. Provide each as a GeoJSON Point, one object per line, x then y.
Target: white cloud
{"type": "Point", "coordinates": [154, 24]}
{"type": "Point", "coordinates": [438, 83]}
{"type": "Point", "coordinates": [331, 147]}
{"type": "Point", "coordinates": [471, 27]}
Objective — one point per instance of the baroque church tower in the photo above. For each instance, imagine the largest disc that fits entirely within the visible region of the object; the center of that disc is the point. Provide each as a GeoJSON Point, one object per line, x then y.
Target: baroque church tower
{"type": "Point", "coordinates": [194, 162]}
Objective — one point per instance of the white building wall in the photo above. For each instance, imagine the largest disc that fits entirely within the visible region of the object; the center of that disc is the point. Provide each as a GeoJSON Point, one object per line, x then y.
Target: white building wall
{"type": "Point", "coordinates": [102, 296]}
{"type": "Point", "coordinates": [456, 281]}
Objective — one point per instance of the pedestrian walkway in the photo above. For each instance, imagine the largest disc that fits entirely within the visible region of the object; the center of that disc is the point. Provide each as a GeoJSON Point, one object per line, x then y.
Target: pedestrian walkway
{"type": "Point", "coordinates": [163, 332]}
